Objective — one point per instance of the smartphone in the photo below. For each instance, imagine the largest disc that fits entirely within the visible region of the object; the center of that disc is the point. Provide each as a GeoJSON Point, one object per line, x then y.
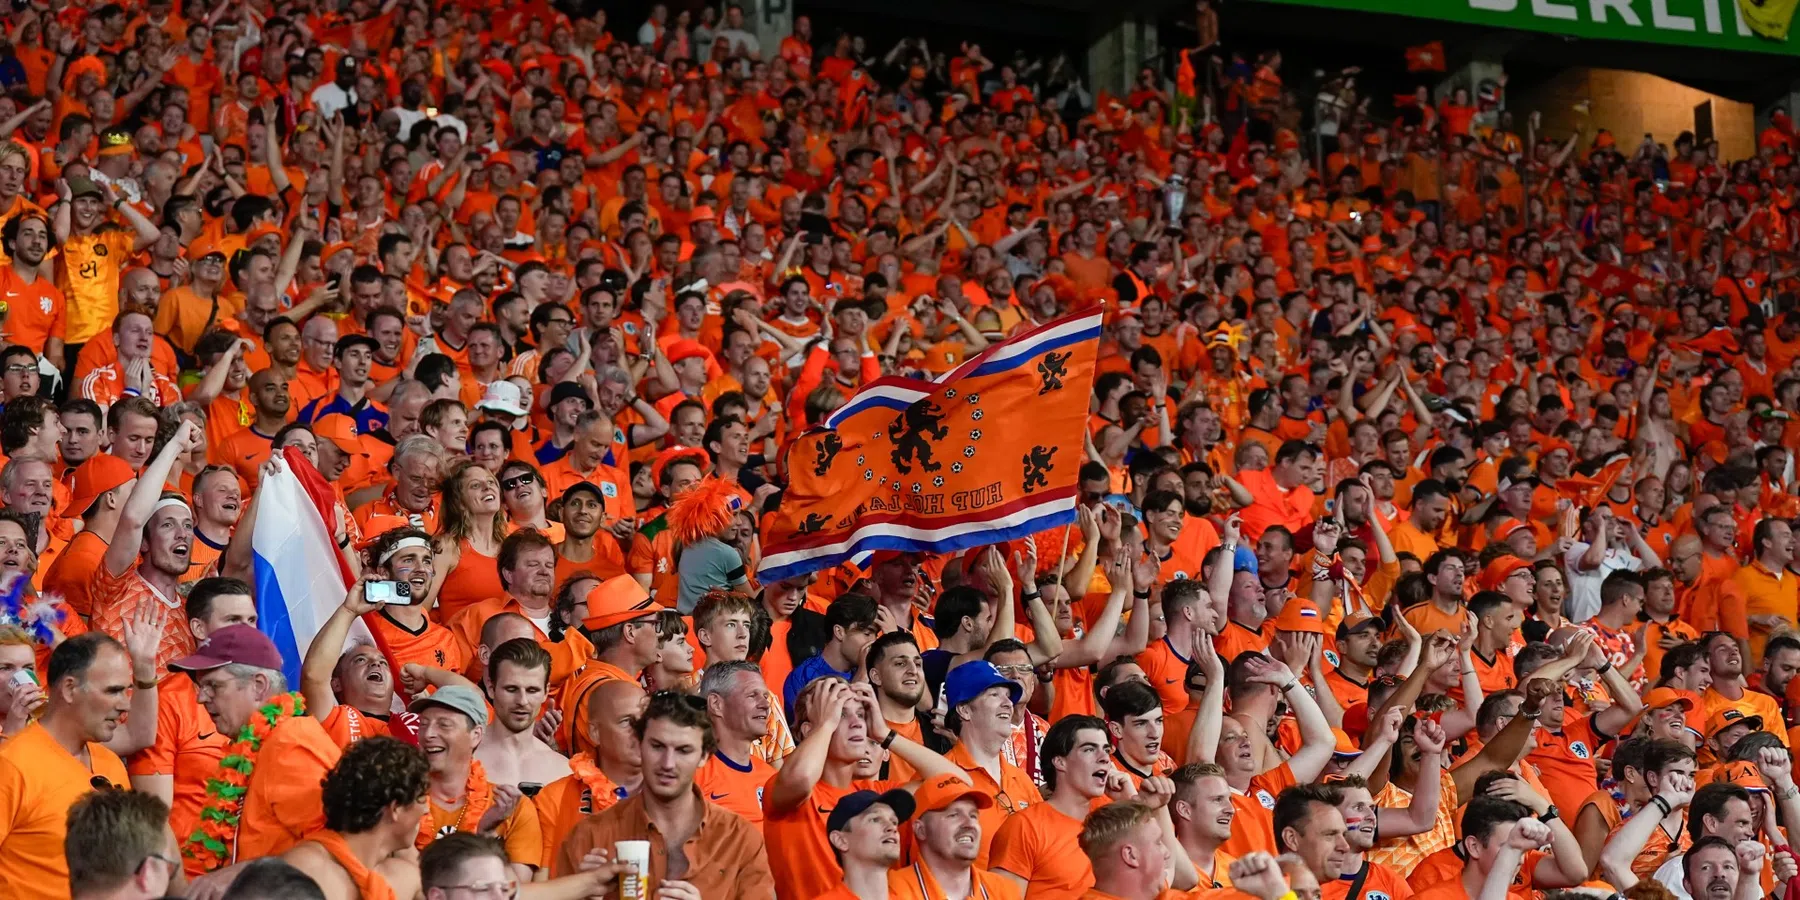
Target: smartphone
{"type": "Point", "coordinates": [530, 788]}
{"type": "Point", "coordinates": [392, 593]}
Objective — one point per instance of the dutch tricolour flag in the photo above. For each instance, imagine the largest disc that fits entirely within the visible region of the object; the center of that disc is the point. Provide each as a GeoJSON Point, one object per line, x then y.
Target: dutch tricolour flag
{"type": "Point", "coordinates": [301, 577]}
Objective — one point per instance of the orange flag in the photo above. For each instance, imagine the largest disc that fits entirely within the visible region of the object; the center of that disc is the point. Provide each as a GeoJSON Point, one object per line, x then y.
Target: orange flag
{"type": "Point", "coordinates": [1425, 57]}
{"type": "Point", "coordinates": [987, 453]}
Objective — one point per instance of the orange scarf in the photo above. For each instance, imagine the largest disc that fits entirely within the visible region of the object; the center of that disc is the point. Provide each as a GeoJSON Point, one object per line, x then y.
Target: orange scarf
{"type": "Point", "coordinates": [478, 795]}
{"type": "Point", "coordinates": [599, 787]}
{"type": "Point", "coordinates": [369, 884]}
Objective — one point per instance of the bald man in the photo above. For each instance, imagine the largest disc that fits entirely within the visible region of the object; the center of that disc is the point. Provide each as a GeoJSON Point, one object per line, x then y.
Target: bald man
{"type": "Point", "coordinates": [601, 778]}
{"type": "Point", "coordinates": [248, 448]}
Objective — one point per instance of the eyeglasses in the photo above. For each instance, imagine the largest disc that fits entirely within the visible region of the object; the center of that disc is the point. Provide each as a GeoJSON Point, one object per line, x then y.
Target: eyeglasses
{"type": "Point", "coordinates": [20, 369]}
{"type": "Point", "coordinates": [1015, 673]}
{"type": "Point", "coordinates": [559, 321]}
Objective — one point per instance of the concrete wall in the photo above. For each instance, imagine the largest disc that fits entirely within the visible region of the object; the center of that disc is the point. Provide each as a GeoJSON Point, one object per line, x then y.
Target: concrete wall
{"type": "Point", "coordinates": [1630, 104]}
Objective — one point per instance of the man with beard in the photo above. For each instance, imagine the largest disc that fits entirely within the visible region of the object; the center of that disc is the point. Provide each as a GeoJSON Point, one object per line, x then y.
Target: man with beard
{"type": "Point", "coordinates": [163, 528]}
{"type": "Point", "coordinates": [1730, 685]}
{"type": "Point", "coordinates": [1203, 814]}
{"type": "Point", "coordinates": [527, 567]}
{"type": "Point", "coordinates": [249, 447]}
{"type": "Point", "coordinates": [1185, 605]}
{"type": "Point", "coordinates": [1442, 609]}
{"type": "Point", "coordinates": [582, 549]}
{"type": "Point", "coordinates": [710, 851]}
{"type": "Point", "coordinates": [740, 707]}
{"type": "Point", "coordinates": [452, 721]}
{"type": "Point", "coordinates": [621, 627]}
{"type": "Point", "coordinates": [95, 252]}
{"type": "Point", "coordinates": [407, 633]}
{"type": "Point", "coordinates": [897, 671]}
{"type": "Point", "coordinates": [188, 748]}
{"type": "Point", "coordinates": [947, 832]}
{"type": "Point", "coordinates": [517, 683]}
{"type": "Point", "coordinates": [35, 306]}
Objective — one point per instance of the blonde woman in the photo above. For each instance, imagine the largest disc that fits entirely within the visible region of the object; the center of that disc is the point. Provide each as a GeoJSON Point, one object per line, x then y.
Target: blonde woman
{"type": "Point", "coordinates": [471, 525]}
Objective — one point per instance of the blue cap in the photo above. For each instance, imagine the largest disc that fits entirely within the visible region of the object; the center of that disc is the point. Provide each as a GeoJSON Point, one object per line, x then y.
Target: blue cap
{"type": "Point", "coordinates": [1244, 560]}
{"type": "Point", "coordinates": [971, 679]}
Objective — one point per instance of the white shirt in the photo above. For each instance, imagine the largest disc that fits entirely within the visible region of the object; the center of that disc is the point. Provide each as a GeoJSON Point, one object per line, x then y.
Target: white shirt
{"type": "Point", "coordinates": [740, 41]}
{"type": "Point", "coordinates": [1583, 602]}
{"type": "Point", "coordinates": [331, 99]}
{"type": "Point", "coordinates": [1673, 877]}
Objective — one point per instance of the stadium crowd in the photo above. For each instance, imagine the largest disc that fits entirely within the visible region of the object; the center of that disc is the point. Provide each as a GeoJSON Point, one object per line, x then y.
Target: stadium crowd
{"type": "Point", "coordinates": [1436, 521]}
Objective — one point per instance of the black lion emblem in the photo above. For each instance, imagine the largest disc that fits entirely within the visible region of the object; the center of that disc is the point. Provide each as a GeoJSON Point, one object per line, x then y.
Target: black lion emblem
{"type": "Point", "coordinates": [829, 446]}
{"type": "Point", "coordinates": [1037, 464]}
{"type": "Point", "coordinates": [1052, 368]}
{"type": "Point", "coordinates": [813, 522]}
{"type": "Point", "coordinates": [908, 433]}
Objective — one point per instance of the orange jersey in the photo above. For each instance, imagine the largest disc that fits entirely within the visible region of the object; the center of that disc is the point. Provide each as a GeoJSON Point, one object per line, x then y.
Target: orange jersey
{"type": "Point", "coordinates": [188, 749]}
{"type": "Point", "coordinates": [736, 787]}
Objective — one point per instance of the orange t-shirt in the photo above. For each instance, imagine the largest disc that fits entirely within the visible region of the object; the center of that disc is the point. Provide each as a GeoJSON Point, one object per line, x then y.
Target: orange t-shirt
{"type": "Point", "coordinates": [1015, 791]}
{"type": "Point", "coordinates": [800, 857]}
{"type": "Point", "coordinates": [188, 747]}
{"type": "Point", "coordinates": [1042, 845]}
{"type": "Point", "coordinates": [39, 781]}
{"type": "Point", "coordinates": [566, 656]}
{"type": "Point", "coordinates": [116, 598]}
{"type": "Point", "coordinates": [738, 788]}
{"type": "Point", "coordinates": [1253, 829]}
{"type": "Point", "coordinates": [565, 802]}
{"type": "Point", "coordinates": [282, 804]}
{"type": "Point", "coordinates": [74, 569]}
{"type": "Point", "coordinates": [1167, 671]}
{"type": "Point", "coordinates": [433, 645]}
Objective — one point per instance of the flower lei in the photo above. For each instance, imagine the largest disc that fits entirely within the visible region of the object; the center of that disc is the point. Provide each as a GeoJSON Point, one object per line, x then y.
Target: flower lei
{"type": "Point", "coordinates": [478, 795]}
{"type": "Point", "coordinates": [601, 792]}
{"type": "Point", "coordinates": [211, 843]}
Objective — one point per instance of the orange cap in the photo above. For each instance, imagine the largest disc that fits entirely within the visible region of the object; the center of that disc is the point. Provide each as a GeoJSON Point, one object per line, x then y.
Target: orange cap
{"type": "Point", "coordinates": [618, 600]}
{"type": "Point", "coordinates": [1729, 716]}
{"type": "Point", "coordinates": [1551, 445]}
{"type": "Point", "coordinates": [685, 349]}
{"type": "Point", "coordinates": [671, 455]}
{"type": "Point", "coordinates": [1741, 773]}
{"type": "Point", "coordinates": [702, 213]}
{"type": "Point", "coordinates": [1300, 615]}
{"type": "Point", "coordinates": [1661, 697]}
{"type": "Point", "coordinates": [1346, 745]}
{"type": "Point", "coordinates": [944, 790]}
{"type": "Point", "coordinates": [1506, 528]}
{"type": "Point", "coordinates": [100, 473]}
{"type": "Point", "coordinates": [340, 430]}
{"type": "Point", "coordinates": [1495, 573]}
{"type": "Point", "coordinates": [202, 247]}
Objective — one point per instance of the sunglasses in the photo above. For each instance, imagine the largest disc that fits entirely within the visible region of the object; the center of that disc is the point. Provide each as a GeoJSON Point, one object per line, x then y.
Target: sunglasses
{"type": "Point", "coordinates": [517, 481]}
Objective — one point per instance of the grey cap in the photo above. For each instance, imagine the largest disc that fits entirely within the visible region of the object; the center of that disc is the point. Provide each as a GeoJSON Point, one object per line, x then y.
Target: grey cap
{"type": "Point", "coordinates": [462, 698]}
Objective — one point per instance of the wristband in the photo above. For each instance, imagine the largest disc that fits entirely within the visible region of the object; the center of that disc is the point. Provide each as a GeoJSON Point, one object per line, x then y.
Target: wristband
{"type": "Point", "coordinates": [1662, 804]}
{"type": "Point", "coordinates": [1028, 596]}
{"type": "Point", "coordinates": [1604, 668]}
{"type": "Point", "coordinates": [144, 685]}
{"type": "Point", "coordinates": [1141, 595]}
{"type": "Point", "coordinates": [888, 741]}
{"type": "Point", "coordinates": [1290, 685]}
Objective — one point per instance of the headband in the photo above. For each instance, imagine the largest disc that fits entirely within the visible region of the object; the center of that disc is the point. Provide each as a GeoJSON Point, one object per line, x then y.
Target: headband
{"type": "Point", "coordinates": [405, 543]}
{"type": "Point", "coordinates": [167, 502]}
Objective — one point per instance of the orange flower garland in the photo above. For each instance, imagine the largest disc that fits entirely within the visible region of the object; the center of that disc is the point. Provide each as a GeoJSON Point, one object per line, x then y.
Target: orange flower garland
{"type": "Point", "coordinates": [601, 790]}
{"type": "Point", "coordinates": [478, 795]}
{"type": "Point", "coordinates": [211, 843]}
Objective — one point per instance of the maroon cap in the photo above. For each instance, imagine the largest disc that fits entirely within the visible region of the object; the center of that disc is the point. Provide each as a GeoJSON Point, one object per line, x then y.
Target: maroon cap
{"type": "Point", "coordinates": [231, 645]}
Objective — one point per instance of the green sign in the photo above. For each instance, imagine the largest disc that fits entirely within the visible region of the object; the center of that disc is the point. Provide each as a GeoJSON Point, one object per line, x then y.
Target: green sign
{"type": "Point", "coordinates": [1712, 24]}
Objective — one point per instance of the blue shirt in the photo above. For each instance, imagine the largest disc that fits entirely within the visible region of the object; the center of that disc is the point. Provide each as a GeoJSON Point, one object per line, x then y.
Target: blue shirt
{"type": "Point", "coordinates": [368, 416]}
{"type": "Point", "coordinates": [803, 675]}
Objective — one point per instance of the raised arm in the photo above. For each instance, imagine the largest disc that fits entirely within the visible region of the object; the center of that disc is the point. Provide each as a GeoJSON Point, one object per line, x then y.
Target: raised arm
{"type": "Point", "coordinates": [327, 647]}
{"type": "Point", "coordinates": [1317, 742]}
{"type": "Point", "coordinates": [128, 534]}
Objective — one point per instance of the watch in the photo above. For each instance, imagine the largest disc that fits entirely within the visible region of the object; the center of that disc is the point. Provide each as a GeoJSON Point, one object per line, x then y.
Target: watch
{"type": "Point", "coordinates": [1549, 815]}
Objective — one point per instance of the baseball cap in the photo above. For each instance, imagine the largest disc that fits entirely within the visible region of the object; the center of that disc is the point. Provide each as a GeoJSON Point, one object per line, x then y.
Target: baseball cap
{"type": "Point", "coordinates": [503, 396]}
{"type": "Point", "coordinates": [1495, 573]}
{"type": "Point", "coordinates": [230, 646]}
{"type": "Point", "coordinates": [969, 680]}
{"type": "Point", "coordinates": [203, 247]}
{"type": "Point", "coordinates": [1346, 745]}
{"type": "Point", "coordinates": [339, 429]}
{"type": "Point", "coordinates": [1506, 528]}
{"type": "Point", "coordinates": [460, 697]}
{"type": "Point", "coordinates": [944, 790]}
{"type": "Point", "coordinates": [81, 186]}
{"type": "Point", "coordinates": [101, 472]}
{"type": "Point", "coordinates": [618, 600]}
{"type": "Point", "coordinates": [1741, 773]}
{"type": "Point", "coordinates": [585, 487]}
{"type": "Point", "coordinates": [1355, 622]}
{"type": "Point", "coordinates": [1666, 696]}
{"type": "Point", "coordinates": [354, 340]}
{"type": "Point", "coordinates": [1729, 716]}
{"type": "Point", "coordinates": [567, 390]}
{"type": "Point", "coordinates": [855, 804]}
{"type": "Point", "coordinates": [1300, 615]}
